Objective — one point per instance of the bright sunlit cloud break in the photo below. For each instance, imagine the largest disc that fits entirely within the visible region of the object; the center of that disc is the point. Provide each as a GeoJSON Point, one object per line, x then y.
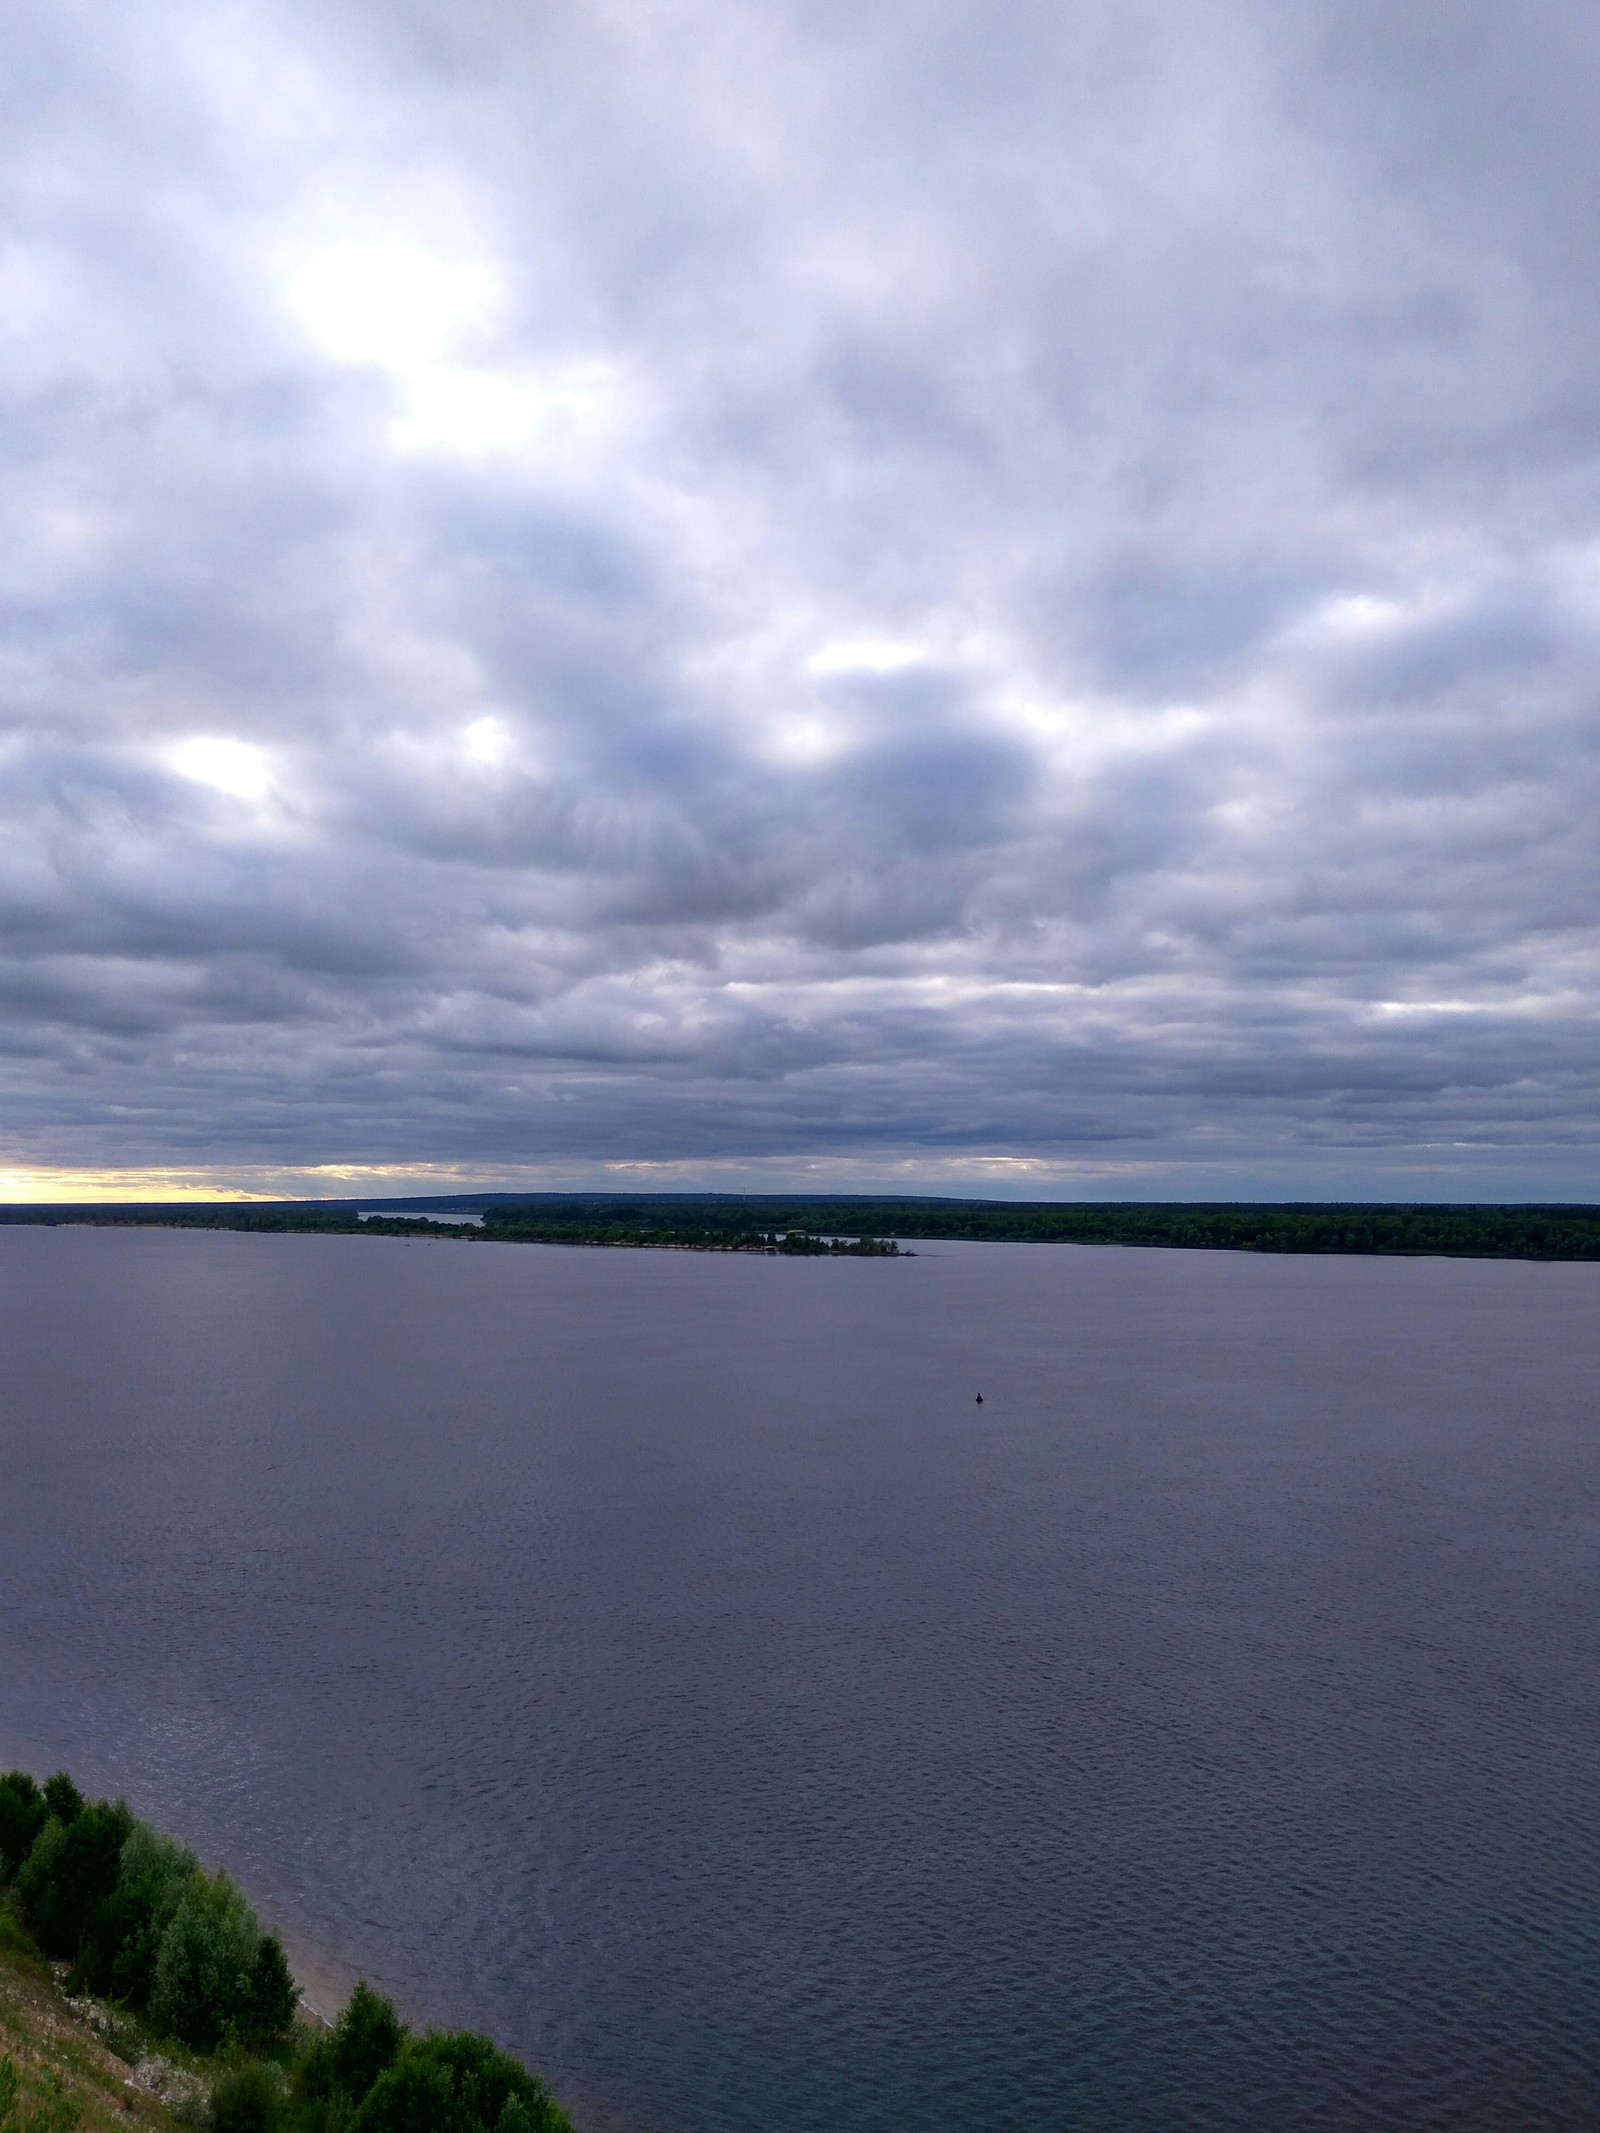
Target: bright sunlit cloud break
{"type": "Point", "coordinates": [229, 766]}
{"type": "Point", "coordinates": [392, 303]}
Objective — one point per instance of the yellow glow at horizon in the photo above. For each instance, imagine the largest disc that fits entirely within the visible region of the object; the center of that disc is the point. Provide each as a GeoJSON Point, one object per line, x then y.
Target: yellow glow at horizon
{"type": "Point", "coordinates": [30, 1184]}
{"type": "Point", "coordinates": [84, 1187]}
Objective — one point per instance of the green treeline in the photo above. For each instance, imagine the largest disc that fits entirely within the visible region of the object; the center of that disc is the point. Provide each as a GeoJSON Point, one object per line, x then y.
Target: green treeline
{"type": "Point", "coordinates": [221, 1214]}
{"type": "Point", "coordinates": [1476, 1232]}
{"type": "Point", "coordinates": [770, 1222]}
{"type": "Point", "coordinates": [182, 1954]}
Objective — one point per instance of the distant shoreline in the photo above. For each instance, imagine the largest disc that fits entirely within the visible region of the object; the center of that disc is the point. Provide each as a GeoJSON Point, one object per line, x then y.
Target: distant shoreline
{"type": "Point", "coordinates": [867, 1227]}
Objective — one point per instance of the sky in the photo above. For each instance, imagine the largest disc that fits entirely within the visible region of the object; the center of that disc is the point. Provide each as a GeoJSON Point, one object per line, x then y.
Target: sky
{"type": "Point", "coordinates": [959, 597]}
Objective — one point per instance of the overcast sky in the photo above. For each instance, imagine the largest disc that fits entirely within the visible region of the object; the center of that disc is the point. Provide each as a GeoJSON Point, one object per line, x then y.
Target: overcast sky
{"type": "Point", "coordinates": [959, 594]}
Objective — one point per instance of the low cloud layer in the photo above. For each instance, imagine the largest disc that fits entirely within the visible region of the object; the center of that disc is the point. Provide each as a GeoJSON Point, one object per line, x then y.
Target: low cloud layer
{"type": "Point", "coordinates": [998, 595]}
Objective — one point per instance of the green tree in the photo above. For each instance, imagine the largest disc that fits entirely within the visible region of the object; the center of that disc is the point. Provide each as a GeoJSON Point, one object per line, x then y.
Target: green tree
{"type": "Point", "coordinates": [273, 1994]}
{"type": "Point", "coordinates": [205, 1965]}
{"type": "Point", "coordinates": [23, 1814]}
{"type": "Point", "coordinates": [339, 2069]}
{"type": "Point", "coordinates": [366, 2042]}
{"type": "Point", "coordinates": [71, 1870]}
{"type": "Point", "coordinates": [62, 1797]}
{"type": "Point", "coordinates": [118, 1958]}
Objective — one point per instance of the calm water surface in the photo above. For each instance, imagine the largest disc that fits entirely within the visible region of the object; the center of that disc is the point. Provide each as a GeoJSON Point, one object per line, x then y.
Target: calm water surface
{"type": "Point", "coordinates": [661, 1662]}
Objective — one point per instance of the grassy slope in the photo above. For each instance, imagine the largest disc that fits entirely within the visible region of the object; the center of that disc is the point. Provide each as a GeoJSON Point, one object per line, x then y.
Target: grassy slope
{"type": "Point", "coordinates": [43, 2037]}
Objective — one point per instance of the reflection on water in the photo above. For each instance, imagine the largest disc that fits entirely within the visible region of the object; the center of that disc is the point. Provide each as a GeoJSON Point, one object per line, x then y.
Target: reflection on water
{"type": "Point", "coordinates": [663, 1662]}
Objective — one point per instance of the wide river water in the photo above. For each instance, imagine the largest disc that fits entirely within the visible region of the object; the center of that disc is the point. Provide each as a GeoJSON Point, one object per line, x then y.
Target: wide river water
{"type": "Point", "coordinates": [662, 1662]}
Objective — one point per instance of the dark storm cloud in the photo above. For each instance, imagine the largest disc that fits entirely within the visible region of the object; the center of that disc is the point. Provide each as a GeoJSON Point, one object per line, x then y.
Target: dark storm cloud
{"type": "Point", "coordinates": [675, 582]}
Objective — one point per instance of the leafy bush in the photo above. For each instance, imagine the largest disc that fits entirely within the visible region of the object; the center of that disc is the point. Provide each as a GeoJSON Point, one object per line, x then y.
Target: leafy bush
{"type": "Point", "coordinates": [249, 2099]}
{"type": "Point", "coordinates": [415, 2096]}
{"type": "Point", "coordinates": [456, 2082]}
{"type": "Point", "coordinates": [441, 2083]}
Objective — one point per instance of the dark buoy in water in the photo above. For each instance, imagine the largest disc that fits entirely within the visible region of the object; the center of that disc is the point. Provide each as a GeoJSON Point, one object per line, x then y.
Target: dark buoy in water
{"type": "Point", "coordinates": [980, 1399]}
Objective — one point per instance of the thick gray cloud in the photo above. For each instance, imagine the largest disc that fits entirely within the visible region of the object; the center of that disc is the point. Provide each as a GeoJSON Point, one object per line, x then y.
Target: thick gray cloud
{"type": "Point", "coordinates": [1007, 595]}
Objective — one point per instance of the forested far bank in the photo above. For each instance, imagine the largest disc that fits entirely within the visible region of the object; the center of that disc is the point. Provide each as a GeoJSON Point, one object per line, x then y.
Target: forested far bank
{"type": "Point", "coordinates": [865, 1227]}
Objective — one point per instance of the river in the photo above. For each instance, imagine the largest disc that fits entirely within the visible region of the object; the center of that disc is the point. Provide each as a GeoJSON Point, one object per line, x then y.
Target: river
{"type": "Point", "coordinates": [663, 1661]}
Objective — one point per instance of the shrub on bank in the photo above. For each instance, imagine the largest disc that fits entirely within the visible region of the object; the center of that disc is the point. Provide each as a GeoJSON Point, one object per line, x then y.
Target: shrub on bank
{"type": "Point", "coordinates": [142, 1925]}
{"type": "Point", "coordinates": [248, 2099]}
{"type": "Point", "coordinates": [368, 2075]}
{"type": "Point", "coordinates": [457, 2083]}
{"type": "Point", "coordinates": [338, 2071]}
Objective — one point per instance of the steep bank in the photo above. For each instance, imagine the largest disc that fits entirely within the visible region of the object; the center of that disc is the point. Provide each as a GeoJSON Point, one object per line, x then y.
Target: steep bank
{"type": "Point", "coordinates": [132, 1974]}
